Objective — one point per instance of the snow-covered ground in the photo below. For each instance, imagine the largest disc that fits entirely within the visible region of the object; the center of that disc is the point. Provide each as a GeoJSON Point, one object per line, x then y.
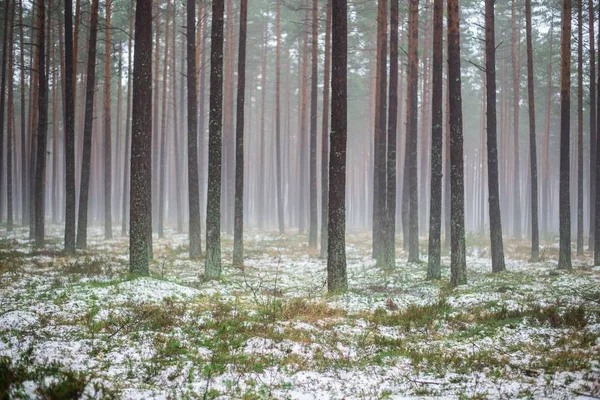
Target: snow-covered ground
{"type": "Point", "coordinates": [81, 326]}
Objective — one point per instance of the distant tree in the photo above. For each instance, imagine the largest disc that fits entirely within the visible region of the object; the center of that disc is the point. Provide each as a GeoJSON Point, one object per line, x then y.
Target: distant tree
{"type": "Point", "coordinates": [162, 168]}
{"type": "Point", "coordinates": [564, 257]}
{"type": "Point", "coordinates": [87, 130]}
{"type": "Point", "coordinates": [593, 123]}
{"type": "Point", "coordinates": [516, 81]}
{"type": "Point", "coordinates": [141, 140]}
{"type": "Point", "coordinates": [336, 255]}
{"type": "Point", "coordinates": [42, 128]}
{"type": "Point", "coordinates": [535, 233]}
{"type": "Point", "coordinates": [238, 229]}
{"type": "Point", "coordinates": [458, 265]}
{"type": "Point", "coordinates": [107, 126]}
{"type": "Point", "coordinates": [128, 124]}
{"type": "Point", "coordinates": [492, 147]}
{"type": "Point", "coordinates": [313, 220]}
{"type": "Point", "coordinates": [580, 127]}
{"type": "Point", "coordinates": [325, 134]}
{"type": "Point", "coordinates": [434, 270]}
{"type": "Point", "coordinates": [279, 172]}
{"type": "Point", "coordinates": [213, 215]}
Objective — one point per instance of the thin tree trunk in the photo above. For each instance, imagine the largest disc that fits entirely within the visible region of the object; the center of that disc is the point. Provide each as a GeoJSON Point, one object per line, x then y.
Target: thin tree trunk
{"type": "Point", "coordinates": [24, 172]}
{"type": "Point", "coordinates": [279, 171]}
{"type": "Point", "coordinates": [40, 165]}
{"type": "Point", "coordinates": [128, 126]}
{"type": "Point", "coordinates": [3, 88]}
{"type": "Point", "coordinates": [546, 195]}
{"type": "Point", "coordinates": [107, 129]}
{"type": "Point", "coordinates": [434, 270]}
{"type": "Point", "coordinates": [193, 192]}
{"type": "Point", "coordinates": [492, 147]}
{"type": "Point", "coordinates": [313, 219]}
{"type": "Point", "coordinates": [336, 255]}
{"type": "Point", "coordinates": [325, 135]}
{"type": "Point", "coordinates": [410, 169]}
{"type": "Point", "coordinates": [238, 240]}
{"type": "Point", "coordinates": [593, 124]}
{"type": "Point", "coordinates": [176, 121]}
{"type": "Point", "coordinates": [580, 127]}
{"type": "Point", "coordinates": [163, 131]}
{"type": "Point", "coordinates": [213, 215]}
{"type": "Point", "coordinates": [10, 126]}
{"type": "Point", "coordinates": [69, 127]}
{"type": "Point", "coordinates": [515, 58]}
{"type": "Point", "coordinates": [87, 131]}
{"type": "Point", "coordinates": [564, 258]}
{"type": "Point", "coordinates": [458, 265]}
{"type": "Point", "coordinates": [535, 234]}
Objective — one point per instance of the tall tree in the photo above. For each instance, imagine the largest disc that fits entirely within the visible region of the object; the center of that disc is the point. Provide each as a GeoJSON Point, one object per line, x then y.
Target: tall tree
{"type": "Point", "coordinates": [389, 221]}
{"type": "Point", "coordinates": [279, 172]}
{"type": "Point", "coordinates": [325, 134]}
{"type": "Point", "coordinates": [564, 258]}
{"type": "Point", "coordinates": [238, 229]}
{"type": "Point", "coordinates": [379, 141]}
{"type": "Point", "coordinates": [593, 123]}
{"type": "Point", "coordinates": [42, 124]}
{"type": "Point", "coordinates": [535, 233]}
{"type": "Point", "coordinates": [10, 126]}
{"type": "Point", "coordinates": [580, 127]}
{"type": "Point", "coordinates": [458, 264]}
{"type": "Point", "coordinates": [107, 127]}
{"type": "Point", "coordinates": [128, 124]}
{"type": "Point", "coordinates": [492, 147]}
{"type": "Point", "coordinates": [410, 168]}
{"type": "Point", "coordinates": [313, 220]}
{"type": "Point", "coordinates": [516, 78]}
{"type": "Point", "coordinates": [434, 270]}
{"type": "Point", "coordinates": [3, 87]}
{"type": "Point", "coordinates": [213, 212]}
{"type": "Point", "coordinates": [24, 209]}
{"type": "Point", "coordinates": [162, 168]}
{"type": "Point", "coordinates": [336, 255]}
{"type": "Point", "coordinates": [87, 130]}
{"type": "Point", "coordinates": [141, 140]}
{"type": "Point", "coordinates": [192, 142]}
{"type": "Point", "coordinates": [69, 130]}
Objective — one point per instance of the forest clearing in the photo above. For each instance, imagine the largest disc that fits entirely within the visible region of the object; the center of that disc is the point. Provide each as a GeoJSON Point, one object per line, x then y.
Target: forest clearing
{"type": "Point", "coordinates": [82, 326]}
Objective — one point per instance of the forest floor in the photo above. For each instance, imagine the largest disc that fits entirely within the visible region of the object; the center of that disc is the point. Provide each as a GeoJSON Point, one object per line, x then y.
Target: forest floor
{"type": "Point", "coordinates": [80, 326]}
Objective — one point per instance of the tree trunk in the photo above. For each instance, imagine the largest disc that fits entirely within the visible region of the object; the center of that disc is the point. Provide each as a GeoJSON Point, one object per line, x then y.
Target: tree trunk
{"type": "Point", "coordinates": [593, 126]}
{"type": "Point", "coordinates": [238, 229]}
{"type": "Point", "coordinates": [279, 171]}
{"type": "Point", "coordinates": [434, 270]}
{"type": "Point", "coordinates": [24, 209]}
{"type": "Point", "coordinates": [162, 168]}
{"type": "Point", "coordinates": [336, 255]}
{"type": "Point", "coordinates": [3, 88]}
{"type": "Point", "coordinates": [325, 135]}
{"type": "Point", "coordinates": [40, 165]}
{"type": "Point", "coordinates": [213, 214]}
{"type": "Point", "coordinates": [379, 141]}
{"type": "Point", "coordinates": [580, 127]}
{"type": "Point", "coordinates": [389, 218]}
{"type": "Point", "coordinates": [128, 126]}
{"type": "Point", "coordinates": [10, 125]}
{"type": "Point", "coordinates": [546, 193]}
{"type": "Point", "coordinates": [492, 147]}
{"type": "Point", "coordinates": [193, 191]}
{"type": "Point", "coordinates": [515, 58]}
{"type": "Point", "coordinates": [176, 121]}
{"type": "Point", "coordinates": [564, 258]}
{"type": "Point", "coordinates": [141, 141]}
{"type": "Point", "coordinates": [535, 234]}
{"type": "Point", "coordinates": [107, 129]}
{"type": "Point", "coordinates": [410, 169]}
{"type": "Point", "coordinates": [69, 130]}
{"type": "Point", "coordinates": [458, 265]}
{"type": "Point", "coordinates": [313, 219]}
